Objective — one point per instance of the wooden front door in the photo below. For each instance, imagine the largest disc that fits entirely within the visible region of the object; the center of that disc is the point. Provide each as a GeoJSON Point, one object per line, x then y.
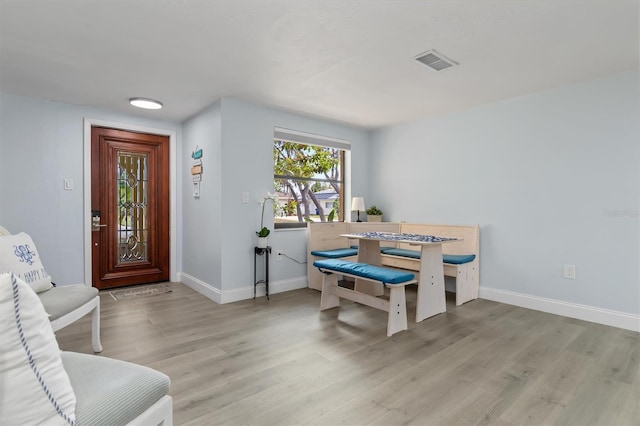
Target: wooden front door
{"type": "Point", "coordinates": [129, 207]}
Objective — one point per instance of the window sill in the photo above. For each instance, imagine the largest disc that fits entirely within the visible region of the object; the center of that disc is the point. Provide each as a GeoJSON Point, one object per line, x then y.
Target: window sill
{"type": "Point", "coordinates": [290, 229]}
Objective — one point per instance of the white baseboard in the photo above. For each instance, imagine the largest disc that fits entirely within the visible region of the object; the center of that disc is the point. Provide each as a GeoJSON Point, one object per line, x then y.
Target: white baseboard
{"type": "Point", "coordinates": [244, 293]}
{"type": "Point", "coordinates": [201, 287]}
{"type": "Point", "coordinates": [558, 307]}
{"type": "Point", "coordinates": [274, 287]}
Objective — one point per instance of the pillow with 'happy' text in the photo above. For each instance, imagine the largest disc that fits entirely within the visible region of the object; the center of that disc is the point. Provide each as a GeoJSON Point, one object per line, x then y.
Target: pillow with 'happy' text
{"type": "Point", "coordinates": [18, 254]}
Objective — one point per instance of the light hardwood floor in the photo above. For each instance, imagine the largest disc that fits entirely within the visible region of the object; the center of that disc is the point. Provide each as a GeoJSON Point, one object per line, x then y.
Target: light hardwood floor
{"type": "Point", "coordinates": [282, 362]}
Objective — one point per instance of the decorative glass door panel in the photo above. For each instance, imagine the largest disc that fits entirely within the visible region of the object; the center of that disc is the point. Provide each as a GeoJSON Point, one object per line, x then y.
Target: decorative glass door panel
{"type": "Point", "coordinates": [132, 207]}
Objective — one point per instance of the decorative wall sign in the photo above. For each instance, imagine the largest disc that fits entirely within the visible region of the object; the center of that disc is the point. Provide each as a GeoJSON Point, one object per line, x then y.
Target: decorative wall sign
{"type": "Point", "coordinates": [196, 171]}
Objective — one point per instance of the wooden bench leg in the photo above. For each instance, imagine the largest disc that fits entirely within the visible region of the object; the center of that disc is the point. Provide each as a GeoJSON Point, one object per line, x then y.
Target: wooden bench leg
{"type": "Point", "coordinates": [466, 283]}
{"type": "Point", "coordinates": [397, 310]}
{"type": "Point", "coordinates": [314, 277]}
{"type": "Point", "coordinates": [329, 299]}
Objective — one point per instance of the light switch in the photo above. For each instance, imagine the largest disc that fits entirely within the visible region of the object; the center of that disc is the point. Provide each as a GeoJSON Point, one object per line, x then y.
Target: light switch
{"type": "Point", "coordinates": [245, 197]}
{"type": "Point", "coordinates": [68, 184]}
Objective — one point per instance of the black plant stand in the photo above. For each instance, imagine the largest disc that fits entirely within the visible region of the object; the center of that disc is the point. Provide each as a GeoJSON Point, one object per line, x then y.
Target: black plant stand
{"type": "Point", "coordinates": [259, 251]}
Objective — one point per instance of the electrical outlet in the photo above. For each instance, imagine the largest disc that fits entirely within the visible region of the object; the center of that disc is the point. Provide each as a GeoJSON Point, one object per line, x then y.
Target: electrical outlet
{"type": "Point", "coordinates": [570, 272]}
{"type": "Point", "coordinates": [279, 255]}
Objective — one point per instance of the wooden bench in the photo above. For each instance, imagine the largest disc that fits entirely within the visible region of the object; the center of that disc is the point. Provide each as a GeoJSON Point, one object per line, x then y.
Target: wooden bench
{"type": "Point", "coordinates": [467, 274]}
{"type": "Point", "coordinates": [396, 281]}
{"type": "Point", "coordinates": [327, 237]}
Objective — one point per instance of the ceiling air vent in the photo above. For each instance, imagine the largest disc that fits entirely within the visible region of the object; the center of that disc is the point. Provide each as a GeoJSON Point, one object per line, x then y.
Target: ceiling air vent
{"type": "Point", "coordinates": [435, 60]}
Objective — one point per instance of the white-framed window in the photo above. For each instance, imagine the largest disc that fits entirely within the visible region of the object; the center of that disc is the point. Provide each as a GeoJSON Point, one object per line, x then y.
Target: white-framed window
{"type": "Point", "coordinates": [308, 178]}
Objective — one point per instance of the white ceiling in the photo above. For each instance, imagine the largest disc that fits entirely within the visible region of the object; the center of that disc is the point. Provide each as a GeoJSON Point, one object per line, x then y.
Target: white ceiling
{"type": "Point", "coordinates": [348, 60]}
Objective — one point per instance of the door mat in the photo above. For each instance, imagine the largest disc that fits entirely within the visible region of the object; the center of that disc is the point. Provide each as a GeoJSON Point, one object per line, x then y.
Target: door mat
{"type": "Point", "coordinates": [131, 293]}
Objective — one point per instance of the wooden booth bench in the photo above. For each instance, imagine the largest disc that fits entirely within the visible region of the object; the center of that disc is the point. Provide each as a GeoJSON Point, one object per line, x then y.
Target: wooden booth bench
{"type": "Point", "coordinates": [395, 306]}
{"type": "Point", "coordinates": [461, 259]}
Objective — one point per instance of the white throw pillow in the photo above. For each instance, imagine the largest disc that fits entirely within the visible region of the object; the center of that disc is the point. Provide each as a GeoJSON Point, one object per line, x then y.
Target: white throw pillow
{"type": "Point", "coordinates": [18, 254]}
{"type": "Point", "coordinates": [34, 387]}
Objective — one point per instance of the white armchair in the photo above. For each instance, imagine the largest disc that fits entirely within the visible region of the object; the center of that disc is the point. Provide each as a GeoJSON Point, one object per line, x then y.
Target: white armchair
{"type": "Point", "coordinates": [64, 304]}
{"type": "Point", "coordinates": [45, 386]}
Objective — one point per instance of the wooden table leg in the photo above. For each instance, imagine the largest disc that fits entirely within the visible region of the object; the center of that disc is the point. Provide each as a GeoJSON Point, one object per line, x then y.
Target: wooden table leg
{"type": "Point", "coordinates": [369, 252]}
{"type": "Point", "coordinates": [431, 296]}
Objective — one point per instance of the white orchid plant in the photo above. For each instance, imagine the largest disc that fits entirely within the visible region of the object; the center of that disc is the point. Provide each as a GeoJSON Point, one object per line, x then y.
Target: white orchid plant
{"type": "Point", "coordinates": [264, 231]}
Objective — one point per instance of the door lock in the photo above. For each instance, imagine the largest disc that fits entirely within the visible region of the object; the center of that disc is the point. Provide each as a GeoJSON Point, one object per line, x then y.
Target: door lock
{"type": "Point", "coordinates": [95, 221]}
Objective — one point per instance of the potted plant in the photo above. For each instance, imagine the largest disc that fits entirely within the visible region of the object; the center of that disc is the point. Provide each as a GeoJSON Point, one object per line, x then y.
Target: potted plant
{"type": "Point", "coordinates": [374, 214]}
{"type": "Point", "coordinates": [262, 236]}
{"type": "Point", "coordinates": [264, 232]}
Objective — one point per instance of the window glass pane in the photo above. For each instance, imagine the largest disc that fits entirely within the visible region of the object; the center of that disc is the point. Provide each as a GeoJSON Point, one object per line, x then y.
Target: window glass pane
{"type": "Point", "coordinates": [309, 183]}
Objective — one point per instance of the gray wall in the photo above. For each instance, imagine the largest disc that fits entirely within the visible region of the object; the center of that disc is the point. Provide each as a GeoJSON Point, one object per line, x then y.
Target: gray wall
{"type": "Point", "coordinates": [552, 178]}
{"type": "Point", "coordinates": [41, 144]}
{"type": "Point", "coordinates": [202, 227]}
{"type": "Point", "coordinates": [245, 161]}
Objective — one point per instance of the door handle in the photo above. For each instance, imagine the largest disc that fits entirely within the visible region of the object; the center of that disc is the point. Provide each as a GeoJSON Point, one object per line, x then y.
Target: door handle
{"type": "Point", "coordinates": [95, 220]}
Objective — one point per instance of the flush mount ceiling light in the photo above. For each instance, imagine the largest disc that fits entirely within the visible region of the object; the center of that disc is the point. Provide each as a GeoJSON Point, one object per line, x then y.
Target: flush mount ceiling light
{"type": "Point", "coordinates": [145, 103]}
{"type": "Point", "coordinates": [435, 60]}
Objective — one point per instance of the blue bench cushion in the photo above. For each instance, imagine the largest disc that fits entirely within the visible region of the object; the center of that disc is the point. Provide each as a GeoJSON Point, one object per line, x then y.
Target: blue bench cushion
{"type": "Point", "coordinates": [455, 259]}
{"type": "Point", "coordinates": [458, 259]}
{"type": "Point", "coordinates": [336, 253]}
{"type": "Point", "coordinates": [378, 273]}
{"type": "Point", "coordinates": [401, 252]}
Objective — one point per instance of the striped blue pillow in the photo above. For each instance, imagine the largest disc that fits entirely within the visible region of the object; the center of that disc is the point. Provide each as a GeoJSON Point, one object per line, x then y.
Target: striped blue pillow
{"type": "Point", "coordinates": [30, 360]}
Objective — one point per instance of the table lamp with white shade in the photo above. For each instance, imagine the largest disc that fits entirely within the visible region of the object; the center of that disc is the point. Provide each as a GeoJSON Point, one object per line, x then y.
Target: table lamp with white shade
{"type": "Point", "coordinates": [357, 204]}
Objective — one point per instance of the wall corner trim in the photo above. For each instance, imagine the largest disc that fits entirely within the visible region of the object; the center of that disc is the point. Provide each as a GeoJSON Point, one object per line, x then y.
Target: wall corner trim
{"type": "Point", "coordinates": [201, 287]}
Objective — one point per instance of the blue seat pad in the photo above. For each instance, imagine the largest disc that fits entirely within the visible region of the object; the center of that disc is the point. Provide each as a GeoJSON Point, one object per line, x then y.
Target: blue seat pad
{"type": "Point", "coordinates": [455, 259]}
{"type": "Point", "coordinates": [336, 253]}
{"type": "Point", "coordinates": [458, 259]}
{"type": "Point", "coordinates": [378, 273]}
{"type": "Point", "coordinates": [402, 252]}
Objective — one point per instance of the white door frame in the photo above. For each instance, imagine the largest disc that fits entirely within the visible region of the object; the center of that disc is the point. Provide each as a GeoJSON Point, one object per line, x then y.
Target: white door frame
{"type": "Point", "coordinates": [173, 241]}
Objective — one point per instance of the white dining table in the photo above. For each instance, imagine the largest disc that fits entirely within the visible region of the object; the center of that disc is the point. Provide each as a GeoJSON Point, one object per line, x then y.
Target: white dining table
{"type": "Point", "coordinates": [431, 293]}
